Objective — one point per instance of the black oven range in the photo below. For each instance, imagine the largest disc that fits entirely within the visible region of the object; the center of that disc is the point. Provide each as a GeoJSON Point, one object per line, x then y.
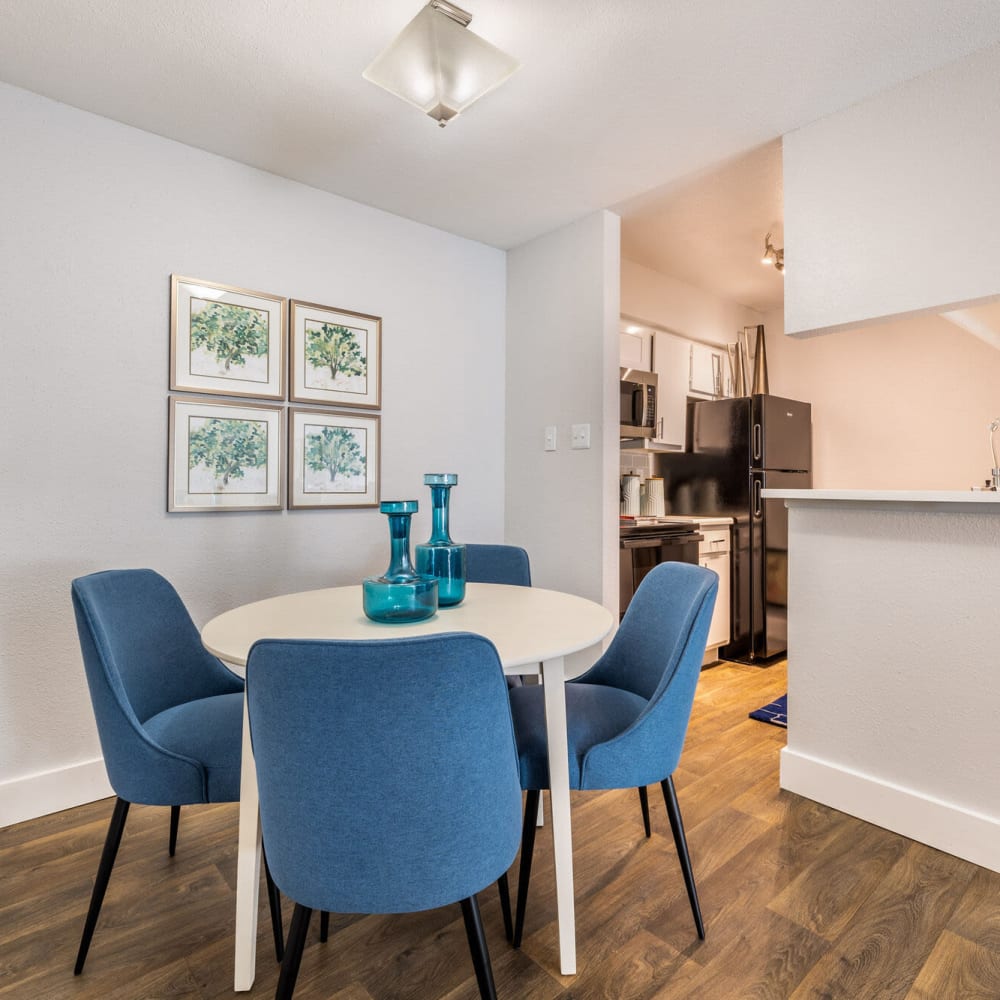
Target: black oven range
{"type": "Point", "coordinates": [645, 543]}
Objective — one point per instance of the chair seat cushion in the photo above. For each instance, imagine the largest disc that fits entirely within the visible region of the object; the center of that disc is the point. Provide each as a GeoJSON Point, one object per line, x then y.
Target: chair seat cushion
{"type": "Point", "coordinates": [594, 713]}
{"type": "Point", "coordinates": [209, 732]}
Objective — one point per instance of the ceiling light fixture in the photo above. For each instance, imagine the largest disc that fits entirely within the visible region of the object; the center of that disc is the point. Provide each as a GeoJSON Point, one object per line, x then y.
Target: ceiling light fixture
{"type": "Point", "coordinates": [438, 65]}
{"type": "Point", "coordinates": [772, 255]}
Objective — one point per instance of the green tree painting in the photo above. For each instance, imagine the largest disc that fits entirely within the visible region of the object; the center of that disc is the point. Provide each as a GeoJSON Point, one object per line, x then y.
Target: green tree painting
{"type": "Point", "coordinates": [232, 333]}
{"type": "Point", "coordinates": [227, 447]}
{"type": "Point", "coordinates": [338, 348]}
{"type": "Point", "coordinates": [335, 450]}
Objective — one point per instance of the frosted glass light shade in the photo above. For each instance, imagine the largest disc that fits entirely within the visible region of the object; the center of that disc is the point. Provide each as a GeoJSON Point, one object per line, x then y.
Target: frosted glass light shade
{"type": "Point", "coordinates": [438, 65]}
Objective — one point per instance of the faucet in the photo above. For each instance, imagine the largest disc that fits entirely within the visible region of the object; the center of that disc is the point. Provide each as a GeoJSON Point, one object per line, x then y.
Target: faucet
{"type": "Point", "coordinates": [994, 426]}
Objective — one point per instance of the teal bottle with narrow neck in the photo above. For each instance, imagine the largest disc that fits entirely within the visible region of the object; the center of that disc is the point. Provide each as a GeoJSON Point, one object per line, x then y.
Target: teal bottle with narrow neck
{"type": "Point", "coordinates": [400, 594]}
{"type": "Point", "coordinates": [439, 556]}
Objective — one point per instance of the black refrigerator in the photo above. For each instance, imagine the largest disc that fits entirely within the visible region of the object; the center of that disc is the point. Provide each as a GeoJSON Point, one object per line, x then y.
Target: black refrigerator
{"type": "Point", "coordinates": [736, 448]}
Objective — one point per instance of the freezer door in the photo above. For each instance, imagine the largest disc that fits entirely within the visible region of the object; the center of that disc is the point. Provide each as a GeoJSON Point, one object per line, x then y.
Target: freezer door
{"type": "Point", "coordinates": [769, 562]}
{"type": "Point", "coordinates": [781, 434]}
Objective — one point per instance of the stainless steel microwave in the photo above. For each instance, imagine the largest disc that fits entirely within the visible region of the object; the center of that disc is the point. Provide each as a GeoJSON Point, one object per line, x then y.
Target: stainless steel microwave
{"type": "Point", "coordinates": [638, 403]}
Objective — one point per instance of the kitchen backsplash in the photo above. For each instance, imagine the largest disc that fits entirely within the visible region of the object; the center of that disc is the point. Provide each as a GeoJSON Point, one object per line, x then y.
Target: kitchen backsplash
{"type": "Point", "coordinates": [638, 462]}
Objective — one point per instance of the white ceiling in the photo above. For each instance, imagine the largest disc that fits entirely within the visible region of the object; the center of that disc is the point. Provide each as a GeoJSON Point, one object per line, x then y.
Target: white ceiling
{"type": "Point", "coordinates": [623, 104]}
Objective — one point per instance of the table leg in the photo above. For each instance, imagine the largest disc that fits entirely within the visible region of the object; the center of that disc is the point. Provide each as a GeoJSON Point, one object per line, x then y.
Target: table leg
{"type": "Point", "coordinates": [247, 866]}
{"type": "Point", "coordinates": [554, 675]}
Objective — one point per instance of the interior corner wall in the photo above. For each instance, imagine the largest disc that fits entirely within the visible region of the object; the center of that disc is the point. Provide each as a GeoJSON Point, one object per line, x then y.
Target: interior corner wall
{"type": "Point", "coordinates": [890, 206]}
{"type": "Point", "coordinates": [664, 301]}
{"type": "Point", "coordinates": [96, 217]}
{"type": "Point", "coordinates": [903, 404]}
{"type": "Point", "coordinates": [562, 350]}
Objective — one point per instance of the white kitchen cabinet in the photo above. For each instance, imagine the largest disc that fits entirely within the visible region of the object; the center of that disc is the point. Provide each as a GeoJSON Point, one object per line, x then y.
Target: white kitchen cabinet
{"type": "Point", "coordinates": [672, 364]}
{"type": "Point", "coordinates": [713, 553]}
{"type": "Point", "coordinates": [635, 350]}
{"type": "Point", "coordinates": [707, 370]}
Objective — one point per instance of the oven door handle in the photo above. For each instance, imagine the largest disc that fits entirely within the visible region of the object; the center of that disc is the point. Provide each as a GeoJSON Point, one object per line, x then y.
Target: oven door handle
{"type": "Point", "coordinates": [659, 541]}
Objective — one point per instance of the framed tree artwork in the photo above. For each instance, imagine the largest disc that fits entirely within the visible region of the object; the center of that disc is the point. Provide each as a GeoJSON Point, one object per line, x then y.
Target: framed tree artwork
{"type": "Point", "coordinates": [333, 459]}
{"type": "Point", "coordinates": [225, 456]}
{"type": "Point", "coordinates": [226, 340]}
{"type": "Point", "coordinates": [336, 356]}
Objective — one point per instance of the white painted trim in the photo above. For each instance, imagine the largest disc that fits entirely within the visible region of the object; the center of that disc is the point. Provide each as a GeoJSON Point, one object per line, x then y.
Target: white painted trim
{"type": "Point", "coordinates": [969, 835]}
{"type": "Point", "coordinates": [52, 791]}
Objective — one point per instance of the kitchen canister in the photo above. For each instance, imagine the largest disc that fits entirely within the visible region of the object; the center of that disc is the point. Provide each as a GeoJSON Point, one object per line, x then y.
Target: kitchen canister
{"type": "Point", "coordinates": [630, 495]}
{"type": "Point", "coordinates": [655, 505]}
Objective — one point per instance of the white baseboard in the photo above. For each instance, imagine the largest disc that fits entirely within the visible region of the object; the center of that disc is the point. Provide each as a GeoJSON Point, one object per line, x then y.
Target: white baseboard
{"type": "Point", "coordinates": [52, 791]}
{"type": "Point", "coordinates": [943, 825]}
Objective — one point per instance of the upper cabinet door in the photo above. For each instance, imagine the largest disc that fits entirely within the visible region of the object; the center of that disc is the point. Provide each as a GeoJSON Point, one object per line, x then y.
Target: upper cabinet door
{"type": "Point", "coordinates": [708, 371]}
{"type": "Point", "coordinates": [635, 351]}
{"type": "Point", "coordinates": [672, 364]}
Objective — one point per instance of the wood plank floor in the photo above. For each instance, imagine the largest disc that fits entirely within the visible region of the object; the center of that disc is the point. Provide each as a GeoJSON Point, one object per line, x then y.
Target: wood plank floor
{"type": "Point", "coordinates": [800, 901]}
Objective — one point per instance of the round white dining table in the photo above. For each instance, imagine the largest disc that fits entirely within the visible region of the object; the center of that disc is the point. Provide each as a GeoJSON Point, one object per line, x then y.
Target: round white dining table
{"type": "Point", "coordinates": [533, 630]}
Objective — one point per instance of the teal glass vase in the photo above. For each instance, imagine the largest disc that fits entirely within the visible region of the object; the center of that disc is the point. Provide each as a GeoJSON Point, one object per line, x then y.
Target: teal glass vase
{"type": "Point", "coordinates": [401, 594]}
{"type": "Point", "coordinates": [439, 556]}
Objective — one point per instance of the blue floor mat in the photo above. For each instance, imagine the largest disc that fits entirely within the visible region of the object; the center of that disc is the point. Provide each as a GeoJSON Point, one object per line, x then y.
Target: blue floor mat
{"type": "Point", "coordinates": [776, 713]}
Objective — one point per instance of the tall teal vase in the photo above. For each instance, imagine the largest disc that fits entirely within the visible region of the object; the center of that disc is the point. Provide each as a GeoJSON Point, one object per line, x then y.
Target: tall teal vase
{"type": "Point", "coordinates": [400, 594]}
{"type": "Point", "coordinates": [439, 556]}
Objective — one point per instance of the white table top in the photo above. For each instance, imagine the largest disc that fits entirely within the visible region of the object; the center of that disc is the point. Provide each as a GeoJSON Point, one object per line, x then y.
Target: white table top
{"type": "Point", "coordinates": [526, 624]}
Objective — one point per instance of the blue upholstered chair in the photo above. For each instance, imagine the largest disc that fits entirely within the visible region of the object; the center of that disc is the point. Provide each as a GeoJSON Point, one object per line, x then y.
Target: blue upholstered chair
{"type": "Point", "coordinates": [498, 564]}
{"type": "Point", "coordinates": [169, 714]}
{"type": "Point", "coordinates": [627, 715]}
{"type": "Point", "coordinates": [340, 729]}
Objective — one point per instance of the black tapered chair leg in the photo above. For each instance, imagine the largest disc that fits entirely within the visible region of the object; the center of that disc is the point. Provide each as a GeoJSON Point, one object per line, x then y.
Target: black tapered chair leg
{"type": "Point", "coordinates": [111, 842]}
{"type": "Point", "coordinates": [677, 826]}
{"type": "Point", "coordinates": [524, 871]}
{"type": "Point", "coordinates": [477, 946]}
{"type": "Point", "coordinates": [503, 886]}
{"type": "Point", "coordinates": [324, 926]}
{"type": "Point", "coordinates": [175, 819]}
{"type": "Point", "coordinates": [644, 803]}
{"type": "Point", "coordinates": [293, 952]}
{"type": "Point", "coordinates": [274, 903]}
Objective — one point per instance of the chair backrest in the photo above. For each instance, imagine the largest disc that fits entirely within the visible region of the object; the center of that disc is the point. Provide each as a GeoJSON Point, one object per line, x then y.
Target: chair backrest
{"type": "Point", "coordinates": [657, 654]}
{"type": "Point", "coordinates": [142, 654]}
{"type": "Point", "coordinates": [387, 769]}
{"type": "Point", "coordinates": [497, 564]}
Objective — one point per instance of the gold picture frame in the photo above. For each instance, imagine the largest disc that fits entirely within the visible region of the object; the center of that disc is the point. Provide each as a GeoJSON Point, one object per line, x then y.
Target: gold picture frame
{"type": "Point", "coordinates": [226, 340]}
{"type": "Point", "coordinates": [336, 356]}
{"type": "Point", "coordinates": [225, 456]}
{"type": "Point", "coordinates": [333, 459]}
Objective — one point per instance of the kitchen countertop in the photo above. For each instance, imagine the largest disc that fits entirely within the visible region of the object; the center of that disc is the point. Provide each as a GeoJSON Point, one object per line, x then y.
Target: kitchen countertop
{"type": "Point", "coordinates": [953, 500]}
{"type": "Point", "coordinates": [705, 520]}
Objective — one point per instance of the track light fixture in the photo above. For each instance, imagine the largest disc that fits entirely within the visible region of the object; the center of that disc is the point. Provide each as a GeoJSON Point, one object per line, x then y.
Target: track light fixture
{"type": "Point", "coordinates": [772, 255]}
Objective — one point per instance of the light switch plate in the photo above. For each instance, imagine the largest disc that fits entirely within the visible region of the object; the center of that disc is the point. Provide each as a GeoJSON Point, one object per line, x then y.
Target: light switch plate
{"type": "Point", "coordinates": [550, 438]}
{"type": "Point", "coordinates": [580, 436]}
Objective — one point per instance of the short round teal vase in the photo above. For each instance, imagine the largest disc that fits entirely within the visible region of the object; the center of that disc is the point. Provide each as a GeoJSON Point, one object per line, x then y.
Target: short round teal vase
{"type": "Point", "coordinates": [439, 556]}
{"type": "Point", "coordinates": [401, 594]}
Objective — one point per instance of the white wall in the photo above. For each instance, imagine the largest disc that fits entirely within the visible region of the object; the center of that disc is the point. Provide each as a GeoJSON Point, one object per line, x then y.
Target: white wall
{"type": "Point", "coordinates": [562, 350]}
{"type": "Point", "coordinates": [891, 205]}
{"type": "Point", "coordinates": [892, 691]}
{"type": "Point", "coordinates": [95, 218]}
{"type": "Point", "coordinates": [661, 300]}
{"type": "Point", "coordinates": [900, 405]}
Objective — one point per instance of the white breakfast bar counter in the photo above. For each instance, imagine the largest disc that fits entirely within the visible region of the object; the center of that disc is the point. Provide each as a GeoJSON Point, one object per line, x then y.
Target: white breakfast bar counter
{"type": "Point", "coordinates": [893, 639]}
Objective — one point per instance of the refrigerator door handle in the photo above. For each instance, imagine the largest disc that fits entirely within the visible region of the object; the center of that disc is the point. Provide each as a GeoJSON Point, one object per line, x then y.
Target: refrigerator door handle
{"type": "Point", "coordinates": [756, 442]}
{"type": "Point", "coordinates": [757, 510]}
